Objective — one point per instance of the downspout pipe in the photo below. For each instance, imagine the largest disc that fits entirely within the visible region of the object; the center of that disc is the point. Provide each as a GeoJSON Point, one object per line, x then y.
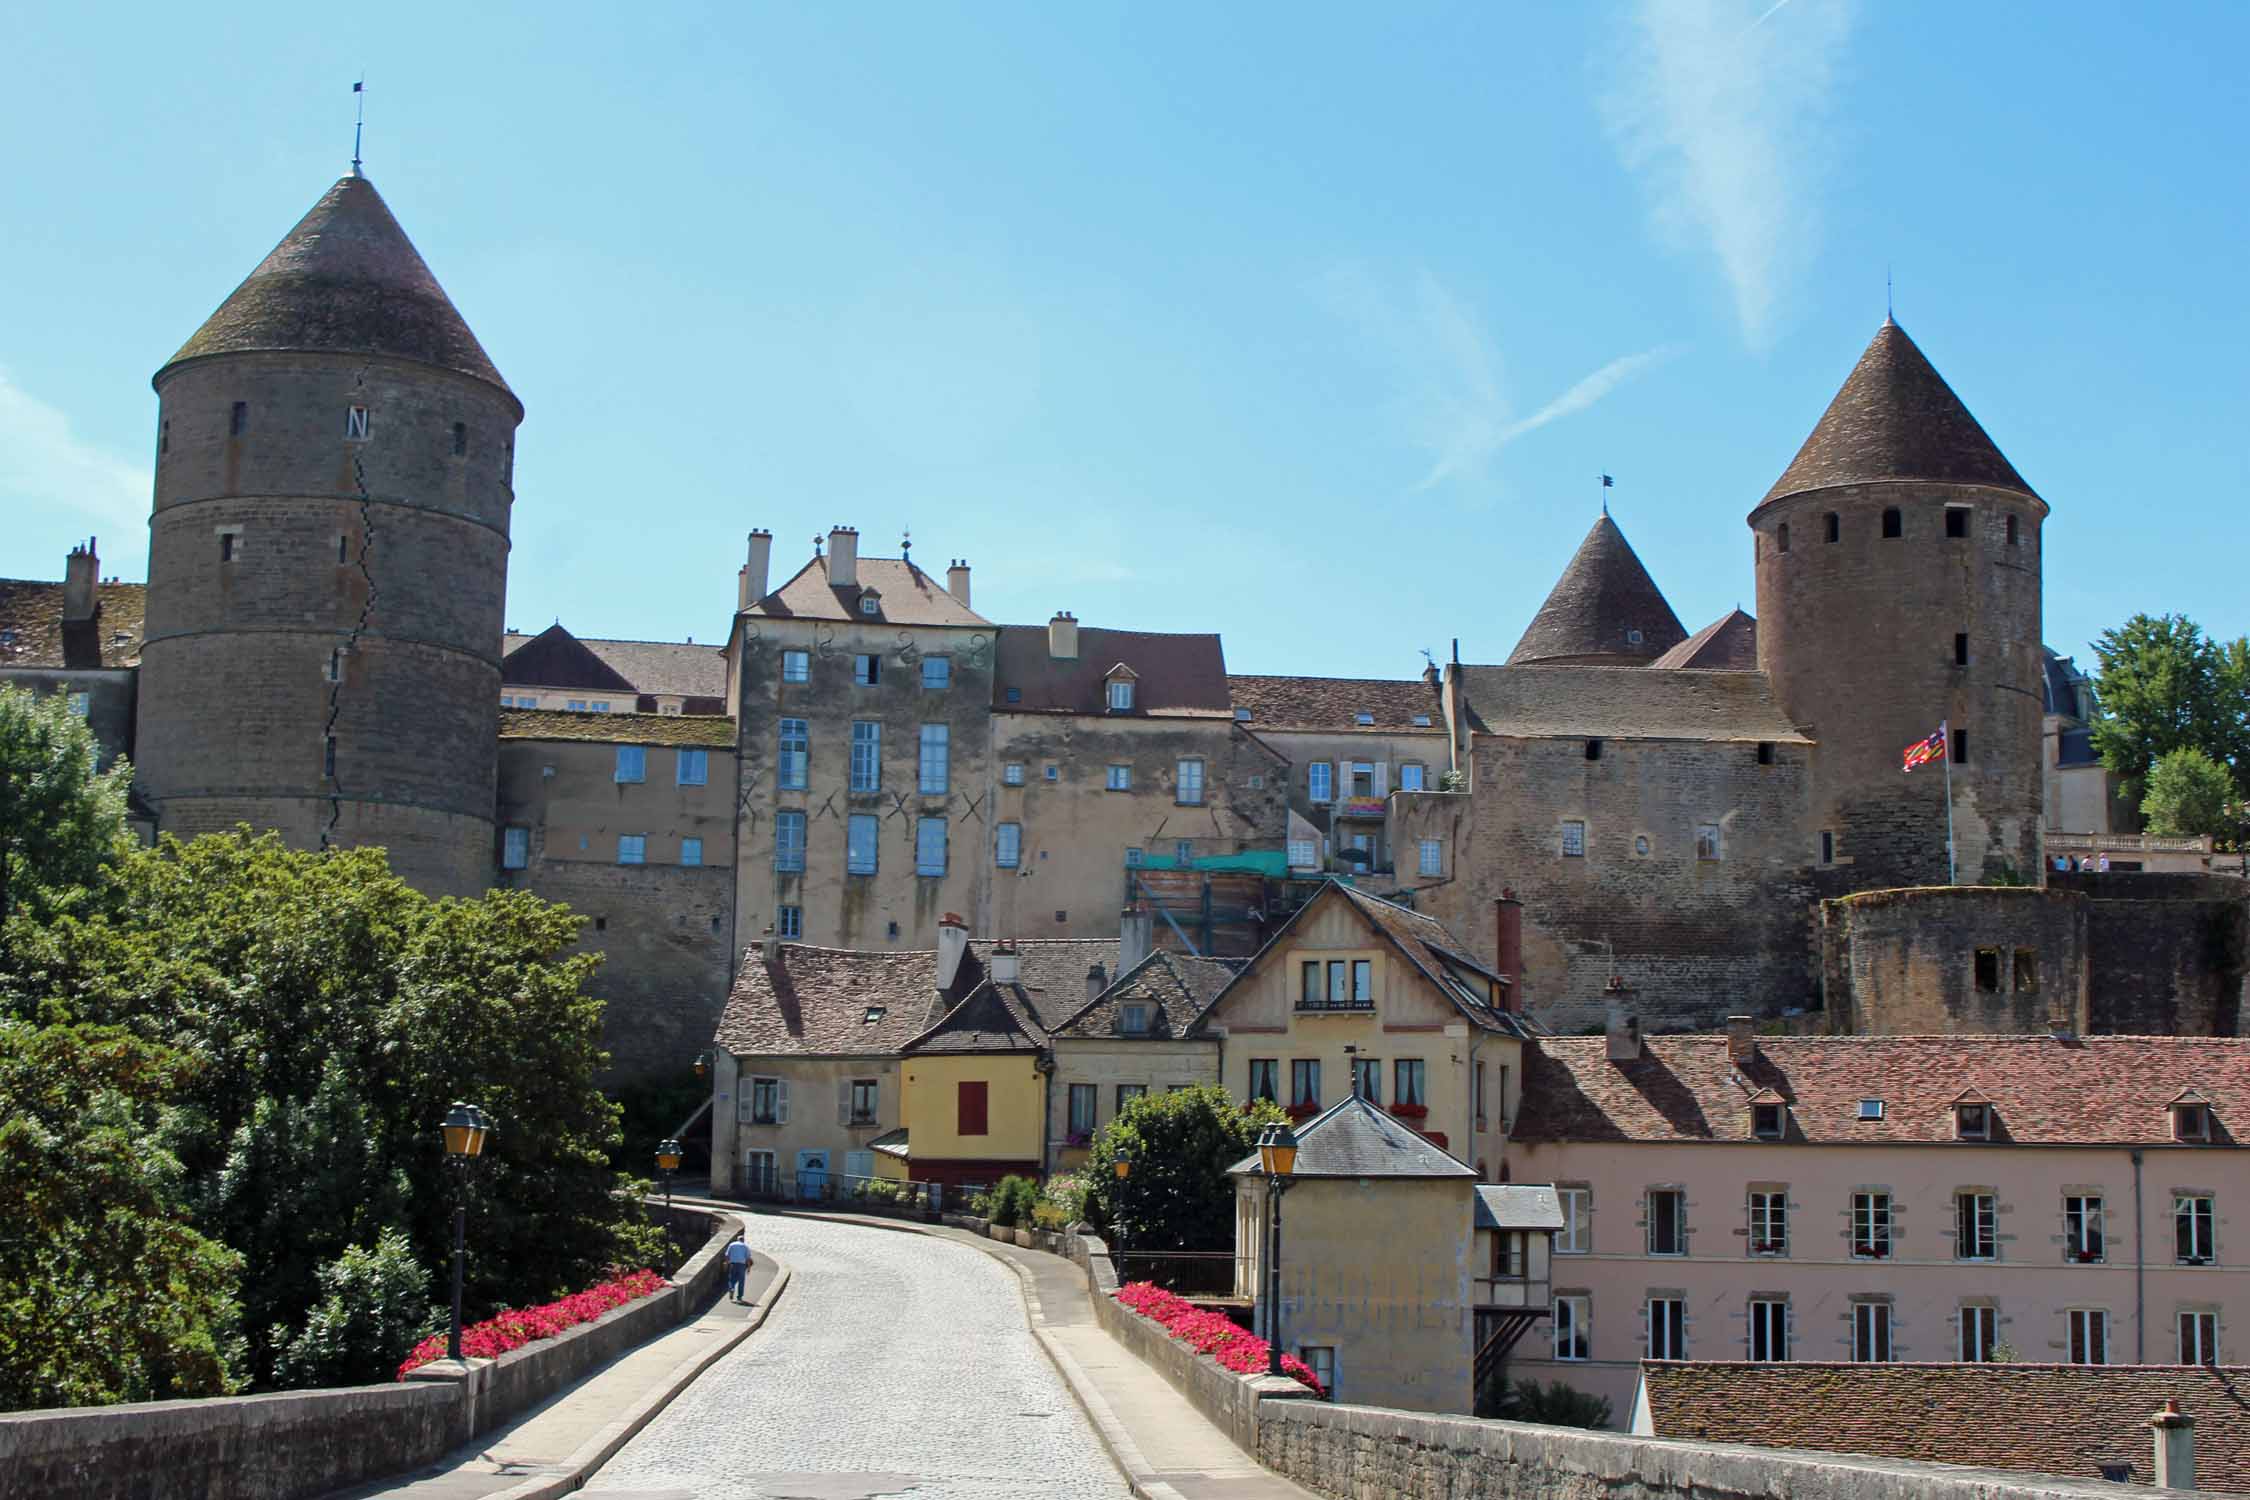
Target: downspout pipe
{"type": "Point", "coordinates": [2140, 1269]}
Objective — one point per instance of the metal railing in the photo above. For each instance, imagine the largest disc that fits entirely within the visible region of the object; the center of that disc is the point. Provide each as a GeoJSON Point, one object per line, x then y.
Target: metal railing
{"type": "Point", "coordinates": [760, 1184]}
{"type": "Point", "coordinates": [1185, 1273]}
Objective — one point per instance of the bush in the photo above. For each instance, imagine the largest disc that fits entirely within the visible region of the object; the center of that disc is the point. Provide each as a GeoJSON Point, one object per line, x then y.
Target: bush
{"type": "Point", "coordinates": [374, 1306]}
{"type": "Point", "coordinates": [1216, 1334]}
{"type": "Point", "coordinates": [1179, 1196]}
{"type": "Point", "coordinates": [1063, 1198]}
{"type": "Point", "coordinates": [1553, 1405]}
{"type": "Point", "coordinates": [1013, 1201]}
{"type": "Point", "coordinates": [881, 1190]}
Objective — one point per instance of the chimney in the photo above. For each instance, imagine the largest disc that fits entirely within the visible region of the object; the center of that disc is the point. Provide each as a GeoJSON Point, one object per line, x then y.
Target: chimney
{"type": "Point", "coordinates": [80, 573]}
{"type": "Point", "coordinates": [752, 585]}
{"type": "Point", "coordinates": [1622, 1027]}
{"type": "Point", "coordinates": [1097, 980]}
{"type": "Point", "coordinates": [771, 944]}
{"type": "Point", "coordinates": [2175, 1448]}
{"type": "Point", "coordinates": [1742, 1042]}
{"type": "Point", "coordinates": [843, 557]}
{"type": "Point", "coordinates": [1507, 949]}
{"type": "Point", "coordinates": [1136, 930]}
{"type": "Point", "coordinates": [1004, 962]}
{"type": "Point", "coordinates": [952, 943]}
{"type": "Point", "coordinates": [1062, 637]}
{"type": "Point", "coordinates": [957, 580]}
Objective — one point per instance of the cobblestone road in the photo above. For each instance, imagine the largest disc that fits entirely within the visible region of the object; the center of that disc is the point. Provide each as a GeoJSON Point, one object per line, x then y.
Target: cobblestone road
{"type": "Point", "coordinates": [895, 1364]}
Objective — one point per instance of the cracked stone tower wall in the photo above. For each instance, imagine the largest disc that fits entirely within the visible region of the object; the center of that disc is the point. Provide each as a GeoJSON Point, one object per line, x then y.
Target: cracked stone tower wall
{"type": "Point", "coordinates": [328, 558]}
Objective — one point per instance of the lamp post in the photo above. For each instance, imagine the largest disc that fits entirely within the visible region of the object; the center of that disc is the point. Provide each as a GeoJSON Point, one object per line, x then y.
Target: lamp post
{"type": "Point", "coordinates": [703, 1064]}
{"type": "Point", "coordinates": [1124, 1166]}
{"type": "Point", "coordinates": [668, 1153]}
{"type": "Point", "coordinates": [464, 1131]}
{"type": "Point", "coordinates": [1277, 1157]}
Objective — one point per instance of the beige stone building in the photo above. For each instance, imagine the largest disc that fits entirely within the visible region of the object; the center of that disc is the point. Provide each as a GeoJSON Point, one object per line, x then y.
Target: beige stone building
{"type": "Point", "coordinates": [1349, 743]}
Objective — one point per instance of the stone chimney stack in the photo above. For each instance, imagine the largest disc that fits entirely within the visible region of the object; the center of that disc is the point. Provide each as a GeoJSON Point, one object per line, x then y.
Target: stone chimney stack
{"type": "Point", "coordinates": [81, 572]}
{"type": "Point", "coordinates": [843, 557]}
{"type": "Point", "coordinates": [1507, 949]}
{"type": "Point", "coordinates": [957, 581]}
{"type": "Point", "coordinates": [752, 586]}
{"type": "Point", "coordinates": [1005, 963]}
{"type": "Point", "coordinates": [770, 944]}
{"type": "Point", "coordinates": [2175, 1448]}
{"type": "Point", "coordinates": [1062, 637]}
{"type": "Point", "coordinates": [952, 944]}
{"type": "Point", "coordinates": [1097, 980]}
{"type": "Point", "coordinates": [1622, 1027]}
{"type": "Point", "coordinates": [1136, 933]}
{"type": "Point", "coordinates": [1742, 1041]}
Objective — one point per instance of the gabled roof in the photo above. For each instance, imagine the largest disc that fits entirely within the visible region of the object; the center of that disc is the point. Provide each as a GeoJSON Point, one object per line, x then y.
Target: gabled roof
{"type": "Point", "coordinates": [1727, 644]}
{"type": "Point", "coordinates": [909, 596]}
{"type": "Point", "coordinates": [680, 669]}
{"type": "Point", "coordinates": [1895, 419]}
{"type": "Point", "coordinates": [1177, 987]}
{"type": "Point", "coordinates": [346, 280]}
{"type": "Point", "coordinates": [707, 731]}
{"type": "Point", "coordinates": [995, 1018]}
{"type": "Point", "coordinates": [556, 658]}
{"type": "Point", "coordinates": [1335, 703]}
{"type": "Point", "coordinates": [2097, 1090]}
{"type": "Point", "coordinates": [830, 1002]}
{"type": "Point", "coordinates": [2066, 1420]}
{"type": "Point", "coordinates": [1173, 675]}
{"type": "Point", "coordinates": [1517, 1205]}
{"type": "Point", "coordinates": [1605, 608]}
{"type": "Point", "coordinates": [1624, 703]}
{"type": "Point", "coordinates": [31, 624]}
{"type": "Point", "coordinates": [1353, 1138]}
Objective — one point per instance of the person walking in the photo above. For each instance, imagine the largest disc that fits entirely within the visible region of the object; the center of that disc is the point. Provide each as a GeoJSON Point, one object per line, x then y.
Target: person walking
{"type": "Point", "coordinates": [738, 1266]}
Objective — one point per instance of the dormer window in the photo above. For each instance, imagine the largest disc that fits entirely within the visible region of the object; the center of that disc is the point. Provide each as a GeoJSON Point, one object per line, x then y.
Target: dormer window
{"type": "Point", "coordinates": [871, 603]}
{"type": "Point", "coordinates": [1871, 1109]}
{"type": "Point", "coordinates": [2191, 1121]}
{"type": "Point", "coordinates": [1768, 1121]}
{"type": "Point", "coordinates": [1363, 718]}
{"type": "Point", "coordinates": [1120, 694]}
{"type": "Point", "coordinates": [1132, 1020]}
{"type": "Point", "coordinates": [874, 1013]}
{"type": "Point", "coordinates": [1242, 716]}
{"type": "Point", "coordinates": [1421, 721]}
{"type": "Point", "coordinates": [1972, 1122]}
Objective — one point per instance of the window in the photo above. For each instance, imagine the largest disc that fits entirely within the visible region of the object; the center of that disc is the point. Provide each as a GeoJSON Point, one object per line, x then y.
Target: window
{"type": "Point", "coordinates": [1593, 749]}
{"type": "Point", "coordinates": [867, 670]}
{"type": "Point", "coordinates": [1265, 1078]}
{"type": "Point", "coordinates": [1128, 1092]}
{"type": "Point", "coordinates": [1667, 1221]}
{"type": "Point", "coordinates": [1765, 752]}
{"type": "Point", "coordinates": [2192, 1228]}
{"type": "Point", "coordinates": [1958, 738]}
{"type": "Point", "coordinates": [1411, 776]}
{"type": "Point", "coordinates": [1574, 838]}
{"type": "Point", "coordinates": [1135, 857]}
{"type": "Point", "coordinates": [343, 549]}
{"type": "Point", "coordinates": [1133, 1019]}
{"type": "Point", "coordinates": [1572, 1320]}
{"type": "Point", "coordinates": [1956, 520]}
{"type": "Point", "coordinates": [1309, 990]}
{"type": "Point", "coordinates": [1871, 1109]}
{"type": "Point", "coordinates": [789, 841]}
{"type": "Point", "coordinates": [1120, 695]}
{"type": "Point", "coordinates": [575, 705]}
{"type": "Point", "coordinates": [1321, 1360]}
{"type": "Point", "coordinates": [599, 706]}
{"type": "Point", "coordinates": [460, 439]}
{"type": "Point", "coordinates": [1577, 1236]}
{"type": "Point", "coordinates": [1893, 524]}
{"type": "Point", "coordinates": [1767, 1121]}
{"type": "Point", "coordinates": [1976, 1226]}
{"type": "Point", "coordinates": [1304, 854]}
{"type": "Point", "coordinates": [240, 420]}
{"type": "Point", "coordinates": [1050, 772]}
{"type": "Point", "coordinates": [1120, 779]}
{"type": "Point", "coordinates": [1972, 1122]}
{"type": "Point", "coordinates": [2011, 531]}
{"type": "Point", "coordinates": [632, 848]}
{"type": "Point", "coordinates": [1363, 718]}
{"type": "Point", "coordinates": [796, 666]}
{"type": "Point", "coordinates": [871, 603]}
{"type": "Point", "coordinates": [970, 1101]}
{"type": "Point", "coordinates": [1320, 782]}
{"type": "Point", "coordinates": [1827, 846]}
{"type": "Point", "coordinates": [758, 1174]}
{"type": "Point", "coordinates": [1433, 857]}
{"type": "Point", "coordinates": [1667, 1328]}
{"type": "Point", "coordinates": [1082, 1106]}
{"type": "Point", "coordinates": [691, 851]}
{"type": "Point", "coordinates": [355, 424]}
{"type": "Point", "coordinates": [867, 756]}
{"type": "Point", "coordinates": [865, 1096]}
{"type": "Point", "coordinates": [1960, 648]}
{"type": "Point", "coordinates": [1781, 537]}
{"type": "Point", "coordinates": [2082, 1229]}
{"type": "Point", "coordinates": [632, 762]}
{"type": "Point", "coordinates": [769, 1101]}
{"type": "Point", "coordinates": [937, 673]}
{"type": "Point", "coordinates": [2089, 1335]}
{"type": "Point", "coordinates": [1304, 1083]}
{"type": "Point", "coordinates": [1188, 790]}
{"type": "Point", "coordinates": [1871, 1333]}
{"type": "Point", "coordinates": [2027, 971]}
{"type": "Point", "coordinates": [1980, 1330]}
{"type": "Point", "coordinates": [1706, 841]}
{"type": "Point", "coordinates": [1871, 1226]}
{"type": "Point", "coordinates": [1410, 1080]}
{"type": "Point", "coordinates": [692, 767]}
{"type": "Point", "coordinates": [936, 770]}
{"type": "Point", "coordinates": [1769, 1221]}
{"type": "Point", "coordinates": [796, 755]}
{"type": "Point", "coordinates": [2199, 1337]}
{"type": "Point", "coordinates": [515, 848]}
{"type": "Point", "coordinates": [1835, 527]}
{"type": "Point", "coordinates": [1988, 970]}
{"type": "Point", "coordinates": [1363, 981]}
{"type": "Point", "coordinates": [1011, 774]}
{"type": "Point", "coordinates": [1007, 847]}
{"type": "Point", "coordinates": [2191, 1121]}
{"type": "Point", "coordinates": [859, 844]}
{"type": "Point", "coordinates": [1769, 1330]}
{"type": "Point", "coordinates": [789, 922]}
{"type": "Point", "coordinates": [1367, 1079]}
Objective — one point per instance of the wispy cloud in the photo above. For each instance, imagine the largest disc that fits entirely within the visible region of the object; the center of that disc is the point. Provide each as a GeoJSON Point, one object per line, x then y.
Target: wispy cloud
{"type": "Point", "coordinates": [1720, 108]}
{"type": "Point", "coordinates": [46, 468]}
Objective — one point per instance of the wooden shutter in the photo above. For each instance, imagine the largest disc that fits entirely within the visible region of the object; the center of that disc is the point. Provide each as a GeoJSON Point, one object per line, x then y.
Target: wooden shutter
{"type": "Point", "coordinates": [781, 1102]}
{"type": "Point", "coordinates": [972, 1109]}
{"type": "Point", "coordinates": [844, 1101]}
{"type": "Point", "coordinates": [1382, 778]}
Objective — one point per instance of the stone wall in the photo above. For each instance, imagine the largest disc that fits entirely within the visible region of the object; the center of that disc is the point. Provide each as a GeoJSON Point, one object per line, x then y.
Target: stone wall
{"type": "Point", "coordinates": [1907, 962]}
{"type": "Point", "coordinates": [2169, 955]}
{"type": "Point", "coordinates": [109, 699]}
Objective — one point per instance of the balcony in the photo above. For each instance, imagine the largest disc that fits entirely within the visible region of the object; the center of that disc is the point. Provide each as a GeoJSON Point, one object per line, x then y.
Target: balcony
{"type": "Point", "coordinates": [1368, 809]}
{"type": "Point", "coordinates": [1338, 1007]}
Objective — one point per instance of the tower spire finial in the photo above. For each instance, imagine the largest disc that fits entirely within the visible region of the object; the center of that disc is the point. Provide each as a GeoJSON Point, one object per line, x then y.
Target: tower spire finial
{"type": "Point", "coordinates": [1608, 484]}
{"type": "Point", "coordinates": [359, 99]}
{"type": "Point", "coordinates": [1890, 315]}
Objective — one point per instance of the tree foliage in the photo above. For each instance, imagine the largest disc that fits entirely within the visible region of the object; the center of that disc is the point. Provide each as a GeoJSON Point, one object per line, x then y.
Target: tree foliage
{"type": "Point", "coordinates": [2165, 686]}
{"type": "Point", "coordinates": [2189, 793]}
{"type": "Point", "coordinates": [1178, 1196]}
{"type": "Point", "coordinates": [1553, 1404]}
{"type": "Point", "coordinates": [62, 823]}
{"type": "Point", "coordinates": [374, 1308]}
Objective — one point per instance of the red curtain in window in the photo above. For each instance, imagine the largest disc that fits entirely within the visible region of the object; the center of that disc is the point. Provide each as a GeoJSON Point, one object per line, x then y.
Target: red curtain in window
{"type": "Point", "coordinates": [972, 1108]}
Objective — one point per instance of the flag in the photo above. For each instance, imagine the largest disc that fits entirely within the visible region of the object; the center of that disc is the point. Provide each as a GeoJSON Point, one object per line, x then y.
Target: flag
{"type": "Point", "coordinates": [1922, 752]}
{"type": "Point", "coordinates": [1608, 483]}
{"type": "Point", "coordinates": [359, 86]}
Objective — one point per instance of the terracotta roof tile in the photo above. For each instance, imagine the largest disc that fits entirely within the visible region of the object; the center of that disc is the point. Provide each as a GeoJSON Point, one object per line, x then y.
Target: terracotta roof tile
{"type": "Point", "coordinates": [1335, 703]}
{"type": "Point", "coordinates": [1605, 608]}
{"type": "Point", "coordinates": [908, 596]}
{"type": "Point", "coordinates": [1172, 674]}
{"type": "Point", "coordinates": [1624, 703]}
{"type": "Point", "coordinates": [715, 732]}
{"type": "Point", "coordinates": [2107, 1090]}
{"type": "Point", "coordinates": [2066, 1420]}
{"type": "Point", "coordinates": [31, 623]}
{"type": "Point", "coordinates": [1727, 644]}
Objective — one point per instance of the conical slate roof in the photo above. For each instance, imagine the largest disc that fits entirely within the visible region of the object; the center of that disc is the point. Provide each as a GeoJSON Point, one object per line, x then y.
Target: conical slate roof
{"type": "Point", "coordinates": [346, 280]}
{"type": "Point", "coordinates": [1604, 608]}
{"type": "Point", "coordinates": [1727, 644]}
{"type": "Point", "coordinates": [1896, 418]}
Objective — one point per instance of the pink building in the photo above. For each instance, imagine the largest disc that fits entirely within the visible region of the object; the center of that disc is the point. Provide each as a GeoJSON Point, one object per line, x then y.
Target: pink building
{"type": "Point", "coordinates": [2032, 1199]}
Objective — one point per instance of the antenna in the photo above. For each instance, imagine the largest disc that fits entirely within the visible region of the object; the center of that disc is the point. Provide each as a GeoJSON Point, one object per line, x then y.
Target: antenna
{"type": "Point", "coordinates": [359, 98]}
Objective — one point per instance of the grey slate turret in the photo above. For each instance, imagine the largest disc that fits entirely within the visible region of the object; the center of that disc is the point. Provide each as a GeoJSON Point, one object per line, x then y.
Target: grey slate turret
{"type": "Point", "coordinates": [1605, 610]}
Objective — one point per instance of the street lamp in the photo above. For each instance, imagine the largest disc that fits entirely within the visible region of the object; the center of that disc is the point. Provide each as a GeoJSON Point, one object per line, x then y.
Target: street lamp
{"type": "Point", "coordinates": [1277, 1157]}
{"type": "Point", "coordinates": [703, 1064]}
{"type": "Point", "coordinates": [464, 1131]}
{"type": "Point", "coordinates": [668, 1153]}
{"type": "Point", "coordinates": [1124, 1166]}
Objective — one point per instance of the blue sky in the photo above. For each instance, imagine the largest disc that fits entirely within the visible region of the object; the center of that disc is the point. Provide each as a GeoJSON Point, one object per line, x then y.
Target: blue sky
{"type": "Point", "coordinates": [1310, 324]}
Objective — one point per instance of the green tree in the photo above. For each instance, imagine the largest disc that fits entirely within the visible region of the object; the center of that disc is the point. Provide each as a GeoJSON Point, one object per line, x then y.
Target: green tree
{"type": "Point", "coordinates": [1553, 1404]}
{"type": "Point", "coordinates": [2164, 686]}
{"type": "Point", "coordinates": [2189, 793]}
{"type": "Point", "coordinates": [374, 1308]}
{"type": "Point", "coordinates": [106, 1292]}
{"type": "Point", "coordinates": [1178, 1196]}
{"type": "Point", "coordinates": [62, 823]}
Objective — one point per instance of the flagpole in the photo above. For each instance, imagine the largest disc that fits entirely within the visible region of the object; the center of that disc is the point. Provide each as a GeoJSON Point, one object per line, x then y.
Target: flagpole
{"type": "Point", "coordinates": [1952, 876]}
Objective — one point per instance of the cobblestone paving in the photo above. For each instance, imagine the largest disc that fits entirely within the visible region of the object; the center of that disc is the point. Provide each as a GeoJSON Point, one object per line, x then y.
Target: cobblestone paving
{"type": "Point", "coordinates": [895, 1364]}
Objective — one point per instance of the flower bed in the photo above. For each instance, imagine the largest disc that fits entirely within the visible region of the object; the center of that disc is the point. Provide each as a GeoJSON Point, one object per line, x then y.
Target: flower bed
{"type": "Point", "coordinates": [517, 1327]}
{"type": "Point", "coordinates": [1211, 1333]}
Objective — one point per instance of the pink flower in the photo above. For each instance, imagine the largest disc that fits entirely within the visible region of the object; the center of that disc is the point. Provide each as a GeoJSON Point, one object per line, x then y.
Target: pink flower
{"type": "Point", "coordinates": [1211, 1333]}
{"type": "Point", "coordinates": [512, 1328]}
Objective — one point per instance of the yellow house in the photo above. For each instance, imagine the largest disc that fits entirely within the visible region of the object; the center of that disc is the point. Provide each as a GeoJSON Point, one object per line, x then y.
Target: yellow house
{"type": "Point", "coordinates": [1360, 996]}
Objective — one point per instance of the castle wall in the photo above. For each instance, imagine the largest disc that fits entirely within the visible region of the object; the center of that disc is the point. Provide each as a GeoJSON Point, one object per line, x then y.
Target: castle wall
{"type": "Point", "coordinates": [2170, 953]}
{"type": "Point", "coordinates": [1952, 960]}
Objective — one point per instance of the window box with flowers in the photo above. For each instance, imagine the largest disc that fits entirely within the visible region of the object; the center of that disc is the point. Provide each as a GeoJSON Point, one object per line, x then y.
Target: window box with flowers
{"type": "Point", "coordinates": [2086, 1257]}
{"type": "Point", "coordinates": [1872, 1252]}
{"type": "Point", "coordinates": [1768, 1247]}
{"type": "Point", "coordinates": [1411, 1111]}
{"type": "Point", "coordinates": [1303, 1109]}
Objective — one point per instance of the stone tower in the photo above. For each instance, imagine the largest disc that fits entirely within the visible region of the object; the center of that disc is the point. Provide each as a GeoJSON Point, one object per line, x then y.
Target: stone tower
{"type": "Point", "coordinates": [328, 557]}
{"type": "Point", "coordinates": [1898, 585]}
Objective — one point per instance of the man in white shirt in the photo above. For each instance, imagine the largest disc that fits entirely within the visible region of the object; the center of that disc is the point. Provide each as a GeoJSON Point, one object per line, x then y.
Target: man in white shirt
{"type": "Point", "coordinates": [738, 1267]}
